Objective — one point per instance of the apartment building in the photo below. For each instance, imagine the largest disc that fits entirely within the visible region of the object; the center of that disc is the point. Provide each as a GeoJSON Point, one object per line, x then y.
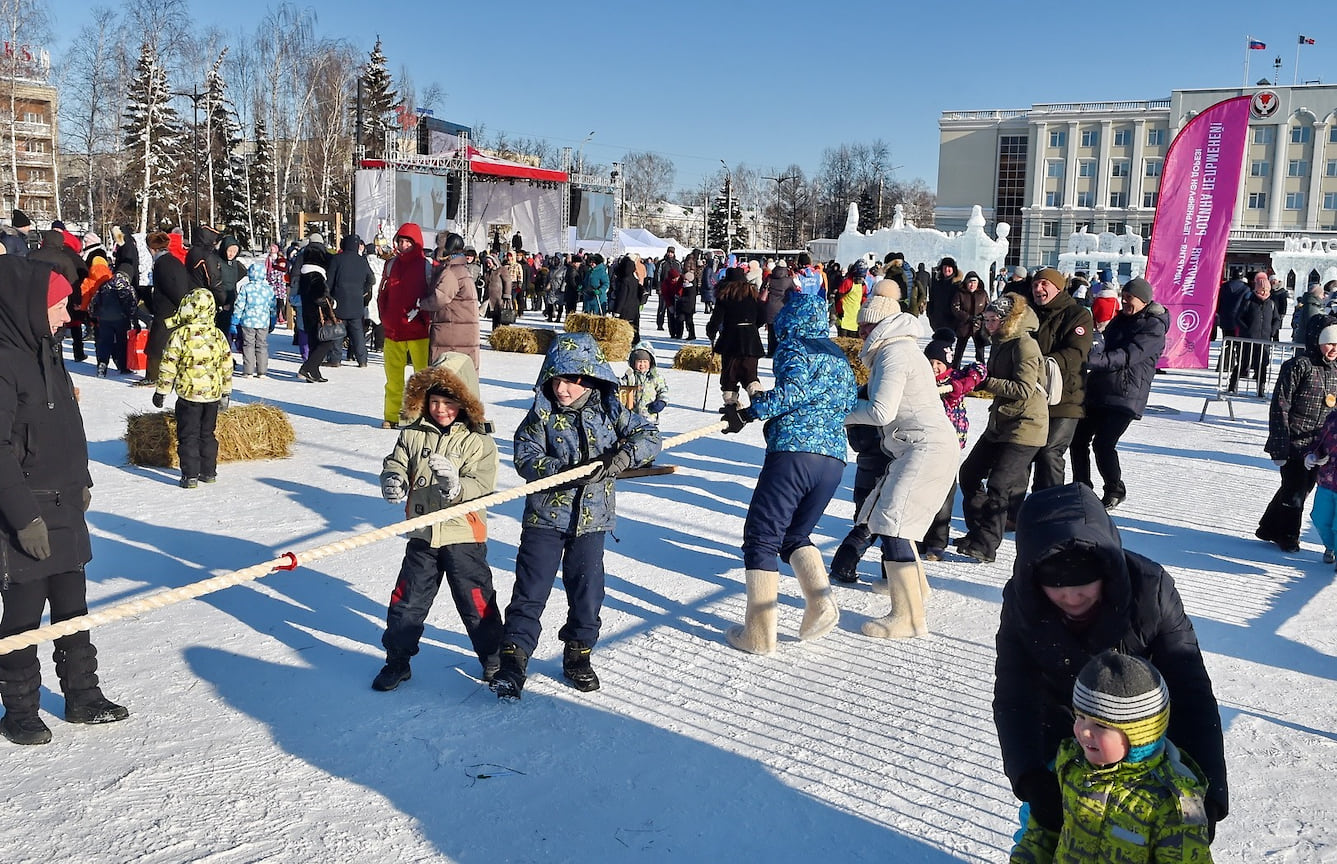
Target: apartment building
{"type": "Point", "coordinates": [28, 134]}
{"type": "Point", "coordinates": [1050, 169]}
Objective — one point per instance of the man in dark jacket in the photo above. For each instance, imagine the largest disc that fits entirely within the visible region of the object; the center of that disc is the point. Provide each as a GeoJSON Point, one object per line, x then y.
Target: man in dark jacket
{"type": "Point", "coordinates": [1120, 370]}
{"type": "Point", "coordinates": [1257, 319]}
{"type": "Point", "coordinates": [204, 264]}
{"type": "Point", "coordinates": [1075, 592]}
{"type": "Point", "coordinates": [351, 282]}
{"type": "Point", "coordinates": [1065, 334]}
{"type": "Point", "coordinates": [55, 252]}
{"type": "Point", "coordinates": [15, 234]}
{"type": "Point", "coordinates": [1228, 303]}
{"type": "Point", "coordinates": [230, 272]}
{"type": "Point", "coordinates": [1306, 392]}
{"type": "Point", "coordinates": [171, 284]}
{"type": "Point", "coordinates": [941, 292]}
{"type": "Point", "coordinates": [44, 491]}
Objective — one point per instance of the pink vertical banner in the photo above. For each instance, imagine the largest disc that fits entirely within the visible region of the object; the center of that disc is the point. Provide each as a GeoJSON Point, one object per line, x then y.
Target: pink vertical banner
{"type": "Point", "coordinates": [1188, 242]}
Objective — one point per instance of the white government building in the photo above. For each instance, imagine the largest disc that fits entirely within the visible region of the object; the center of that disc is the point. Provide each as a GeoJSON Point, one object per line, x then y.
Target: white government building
{"type": "Point", "coordinates": [1052, 168]}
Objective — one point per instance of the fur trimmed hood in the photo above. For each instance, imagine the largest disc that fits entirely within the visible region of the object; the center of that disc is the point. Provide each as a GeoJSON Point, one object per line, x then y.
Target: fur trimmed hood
{"type": "Point", "coordinates": [1020, 318]}
{"type": "Point", "coordinates": [440, 378]}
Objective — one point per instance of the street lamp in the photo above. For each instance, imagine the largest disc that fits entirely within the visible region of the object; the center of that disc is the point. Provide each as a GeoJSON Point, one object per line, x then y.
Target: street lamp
{"type": "Point", "coordinates": [580, 154]}
{"type": "Point", "coordinates": [194, 97]}
{"type": "Point", "coordinates": [728, 208]}
{"type": "Point", "coordinates": [778, 180]}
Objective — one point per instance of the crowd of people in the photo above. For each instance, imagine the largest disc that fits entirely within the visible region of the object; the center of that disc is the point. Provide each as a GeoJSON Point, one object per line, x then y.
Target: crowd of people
{"type": "Point", "coordinates": [1066, 363]}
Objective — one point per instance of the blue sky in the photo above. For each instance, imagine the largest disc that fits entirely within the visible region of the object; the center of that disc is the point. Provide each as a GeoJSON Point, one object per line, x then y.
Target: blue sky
{"type": "Point", "coordinates": [769, 83]}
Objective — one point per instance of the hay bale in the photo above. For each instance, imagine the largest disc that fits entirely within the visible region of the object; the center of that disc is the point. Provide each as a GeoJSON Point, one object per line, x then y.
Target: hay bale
{"type": "Point", "coordinates": [245, 432]}
{"type": "Point", "coordinates": [697, 358]}
{"type": "Point", "coordinates": [613, 334]}
{"type": "Point", "coordinates": [852, 347]}
{"type": "Point", "coordinates": [521, 340]}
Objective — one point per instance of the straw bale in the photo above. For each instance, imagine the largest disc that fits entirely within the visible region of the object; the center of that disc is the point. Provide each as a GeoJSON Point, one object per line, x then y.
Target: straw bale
{"type": "Point", "coordinates": [697, 358]}
{"type": "Point", "coordinates": [613, 334]}
{"type": "Point", "coordinates": [245, 432]}
{"type": "Point", "coordinates": [521, 340]}
{"type": "Point", "coordinates": [851, 347]}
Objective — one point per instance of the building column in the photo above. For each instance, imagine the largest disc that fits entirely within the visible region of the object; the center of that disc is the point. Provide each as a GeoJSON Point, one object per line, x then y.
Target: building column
{"type": "Point", "coordinates": [1103, 167]}
{"type": "Point", "coordinates": [1137, 172]}
{"type": "Point", "coordinates": [1313, 196]}
{"type": "Point", "coordinates": [1278, 193]}
{"type": "Point", "coordinates": [1070, 168]}
{"type": "Point", "coordinates": [1037, 160]}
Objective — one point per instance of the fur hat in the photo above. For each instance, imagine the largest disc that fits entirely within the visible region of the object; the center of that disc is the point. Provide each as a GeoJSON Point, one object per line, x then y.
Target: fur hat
{"type": "Point", "coordinates": [877, 308]}
{"type": "Point", "coordinates": [157, 241]}
{"type": "Point", "coordinates": [19, 219]}
{"type": "Point", "coordinates": [942, 347]}
{"type": "Point", "coordinates": [1128, 694]}
{"type": "Point", "coordinates": [1139, 288]}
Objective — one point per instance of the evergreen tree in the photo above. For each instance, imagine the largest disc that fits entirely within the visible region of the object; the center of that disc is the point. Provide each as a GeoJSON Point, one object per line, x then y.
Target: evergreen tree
{"type": "Point", "coordinates": [152, 140]}
{"type": "Point", "coordinates": [260, 183]}
{"type": "Point", "coordinates": [716, 223]}
{"type": "Point", "coordinates": [225, 171]}
{"type": "Point", "coordinates": [379, 101]}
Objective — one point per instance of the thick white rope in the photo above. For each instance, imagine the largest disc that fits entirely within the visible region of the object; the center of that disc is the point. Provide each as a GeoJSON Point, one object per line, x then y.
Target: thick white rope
{"type": "Point", "coordinates": [291, 560]}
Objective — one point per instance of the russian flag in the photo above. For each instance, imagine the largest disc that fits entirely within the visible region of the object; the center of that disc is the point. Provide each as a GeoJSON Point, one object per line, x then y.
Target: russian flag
{"type": "Point", "coordinates": [1255, 45]}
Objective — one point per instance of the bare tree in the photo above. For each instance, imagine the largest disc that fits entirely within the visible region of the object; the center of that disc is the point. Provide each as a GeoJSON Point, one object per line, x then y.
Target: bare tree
{"type": "Point", "coordinates": [285, 37]}
{"type": "Point", "coordinates": [647, 180]}
{"type": "Point", "coordinates": [89, 78]}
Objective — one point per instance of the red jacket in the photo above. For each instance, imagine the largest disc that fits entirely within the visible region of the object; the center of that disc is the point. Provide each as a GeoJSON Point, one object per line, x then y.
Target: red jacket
{"type": "Point", "coordinates": [402, 286]}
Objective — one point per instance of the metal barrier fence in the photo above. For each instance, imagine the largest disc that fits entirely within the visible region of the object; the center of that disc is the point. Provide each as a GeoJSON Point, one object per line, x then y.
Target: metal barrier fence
{"type": "Point", "coordinates": [1246, 370]}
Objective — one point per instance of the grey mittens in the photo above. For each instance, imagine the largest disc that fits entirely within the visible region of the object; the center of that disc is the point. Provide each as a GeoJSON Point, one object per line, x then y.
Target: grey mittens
{"type": "Point", "coordinates": [393, 488]}
{"type": "Point", "coordinates": [34, 540]}
{"type": "Point", "coordinates": [447, 475]}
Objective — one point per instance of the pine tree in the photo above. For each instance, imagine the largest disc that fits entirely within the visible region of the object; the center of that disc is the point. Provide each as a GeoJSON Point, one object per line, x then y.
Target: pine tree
{"type": "Point", "coordinates": [260, 183]}
{"type": "Point", "coordinates": [225, 171]}
{"type": "Point", "coordinates": [716, 223]}
{"type": "Point", "coordinates": [152, 139]}
{"type": "Point", "coordinates": [379, 101]}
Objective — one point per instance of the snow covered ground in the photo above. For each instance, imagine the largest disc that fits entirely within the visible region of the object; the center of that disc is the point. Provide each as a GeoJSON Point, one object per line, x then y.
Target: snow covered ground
{"type": "Point", "coordinates": [254, 735]}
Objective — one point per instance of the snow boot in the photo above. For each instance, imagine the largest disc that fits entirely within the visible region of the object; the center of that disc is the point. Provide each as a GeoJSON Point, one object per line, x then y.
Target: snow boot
{"type": "Point", "coordinates": [76, 666]}
{"type": "Point", "coordinates": [20, 686]}
{"type": "Point", "coordinates": [490, 667]}
{"type": "Point", "coordinates": [576, 667]}
{"type": "Point", "coordinates": [845, 563]}
{"type": "Point", "coordinates": [395, 672]}
{"type": "Point", "coordinates": [907, 604]}
{"type": "Point", "coordinates": [757, 635]}
{"type": "Point", "coordinates": [820, 613]}
{"type": "Point", "coordinates": [509, 679]}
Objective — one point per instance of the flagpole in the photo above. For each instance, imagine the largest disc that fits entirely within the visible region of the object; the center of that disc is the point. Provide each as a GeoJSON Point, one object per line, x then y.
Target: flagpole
{"type": "Point", "coordinates": [1299, 45]}
{"type": "Point", "coordinates": [1247, 49]}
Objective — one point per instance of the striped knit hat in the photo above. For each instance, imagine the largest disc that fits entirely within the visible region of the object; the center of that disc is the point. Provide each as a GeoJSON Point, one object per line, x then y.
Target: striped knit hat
{"type": "Point", "coordinates": [1128, 694]}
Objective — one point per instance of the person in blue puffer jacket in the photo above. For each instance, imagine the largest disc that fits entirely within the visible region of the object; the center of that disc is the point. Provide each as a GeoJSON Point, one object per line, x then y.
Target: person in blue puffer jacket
{"type": "Point", "coordinates": [576, 420]}
{"type": "Point", "coordinates": [253, 315]}
{"type": "Point", "coordinates": [805, 458]}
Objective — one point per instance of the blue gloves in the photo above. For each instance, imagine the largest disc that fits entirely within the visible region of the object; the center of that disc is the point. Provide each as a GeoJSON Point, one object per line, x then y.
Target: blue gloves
{"type": "Point", "coordinates": [656, 406]}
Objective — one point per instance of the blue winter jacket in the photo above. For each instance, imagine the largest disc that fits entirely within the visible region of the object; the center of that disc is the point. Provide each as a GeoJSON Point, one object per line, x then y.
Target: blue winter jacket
{"type": "Point", "coordinates": [255, 299]}
{"type": "Point", "coordinates": [814, 385]}
{"type": "Point", "coordinates": [552, 439]}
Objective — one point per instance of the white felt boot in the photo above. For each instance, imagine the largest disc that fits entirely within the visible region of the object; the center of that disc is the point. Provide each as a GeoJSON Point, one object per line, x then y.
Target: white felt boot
{"type": "Point", "coordinates": [757, 635]}
{"type": "Point", "coordinates": [907, 604]}
{"type": "Point", "coordinates": [820, 613]}
{"type": "Point", "coordinates": [883, 586]}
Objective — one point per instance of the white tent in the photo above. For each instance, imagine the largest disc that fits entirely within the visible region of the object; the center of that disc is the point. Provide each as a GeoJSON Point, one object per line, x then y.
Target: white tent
{"type": "Point", "coordinates": [627, 241]}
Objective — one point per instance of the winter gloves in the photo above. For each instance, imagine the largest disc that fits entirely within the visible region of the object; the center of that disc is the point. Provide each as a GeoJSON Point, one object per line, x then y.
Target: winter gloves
{"type": "Point", "coordinates": [1312, 461]}
{"type": "Point", "coordinates": [735, 418]}
{"type": "Point", "coordinates": [656, 406]}
{"type": "Point", "coordinates": [87, 498]}
{"type": "Point", "coordinates": [610, 464]}
{"type": "Point", "coordinates": [34, 540]}
{"type": "Point", "coordinates": [447, 475]}
{"type": "Point", "coordinates": [393, 488]}
{"type": "Point", "coordinates": [1279, 462]}
{"type": "Point", "coordinates": [224, 401]}
{"type": "Point", "coordinates": [159, 399]}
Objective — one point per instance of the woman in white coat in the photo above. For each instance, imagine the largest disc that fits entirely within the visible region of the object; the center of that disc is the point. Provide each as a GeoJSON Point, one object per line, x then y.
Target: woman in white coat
{"type": "Point", "coordinates": [903, 401]}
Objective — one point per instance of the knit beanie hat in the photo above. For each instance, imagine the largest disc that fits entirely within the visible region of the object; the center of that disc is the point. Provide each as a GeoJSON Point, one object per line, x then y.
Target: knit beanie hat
{"type": "Point", "coordinates": [942, 347]}
{"type": "Point", "coordinates": [58, 290]}
{"type": "Point", "coordinates": [1139, 288]}
{"type": "Point", "coordinates": [1052, 276]}
{"type": "Point", "coordinates": [639, 354]}
{"type": "Point", "coordinates": [1002, 304]}
{"type": "Point", "coordinates": [878, 308]}
{"type": "Point", "coordinates": [19, 219]}
{"type": "Point", "coordinates": [1328, 335]}
{"type": "Point", "coordinates": [1128, 694]}
{"type": "Point", "coordinates": [887, 288]}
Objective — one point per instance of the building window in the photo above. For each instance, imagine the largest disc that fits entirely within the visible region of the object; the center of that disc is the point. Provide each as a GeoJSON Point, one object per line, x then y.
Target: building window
{"type": "Point", "coordinates": [1264, 134]}
{"type": "Point", "coordinates": [1301, 134]}
{"type": "Point", "coordinates": [32, 117]}
{"type": "Point", "coordinates": [1156, 137]}
{"type": "Point", "coordinates": [36, 147]}
{"type": "Point", "coordinates": [1332, 135]}
{"type": "Point", "coordinates": [1331, 168]}
{"type": "Point", "coordinates": [1049, 228]}
{"type": "Point", "coordinates": [1297, 168]}
{"type": "Point", "coordinates": [1086, 199]}
{"type": "Point", "coordinates": [1086, 168]}
{"type": "Point", "coordinates": [1119, 168]}
{"type": "Point", "coordinates": [1145, 231]}
{"type": "Point", "coordinates": [1123, 137]}
{"type": "Point", "coordinates": [1054, 198]}
{"type": "Point", "coordinates": [1054, 168]}
{"type": "Point", "coordinates": [1090, 137]}
{"type": "Point", "coordinates": [1058, 138]}
{"type": "Point", "coordinates": [1330, 200]}
{"type": "Point", "coordinates": [1257, 200]}
{"type": "Point", "coordinates": [1295, 200]}
{"type": "Point", "coordinates": [1117, 227]}
{"type": "Point", "coordinates": [1051, 258]}
{"type": "Point", "coordinates": [1258, 168]}
{"type": "Point", "coordinates": [1154, 167]}
{"type": "Point", "coordinates": [1011, 191]}
{"type": "Point", "coordinates": [1118, 199]}
{"type": "Point", "coordinates": [1149, 199]}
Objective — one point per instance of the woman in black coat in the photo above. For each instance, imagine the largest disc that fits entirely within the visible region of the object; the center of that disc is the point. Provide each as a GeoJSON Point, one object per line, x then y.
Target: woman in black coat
{"type": "Point", "coordinates": [1075, 592]}
{"type": "Point", "coordinates": [316, 310]}
{"type": "Point", "coordinates": [734, 334]}
{"type": "Point", "coordinates": [1120, 370]}
{"type": "Point", "coordinates": [44, 491]}
{"type": "Point", "coordinates": [171, 284]}
{"type": "Point", "coordinates": [1258, 319]}
{"type": "Point", "coordinates": [627, 295]}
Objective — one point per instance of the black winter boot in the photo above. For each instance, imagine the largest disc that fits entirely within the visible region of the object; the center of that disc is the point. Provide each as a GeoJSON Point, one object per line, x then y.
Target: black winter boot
{"type": "Point", "coordinates": [576, 667]}
{"type": "Point", "coordinates": [20, 687]}
{"type": "Point", "coordinates": [395, 672]}
{"type": "Point", "coordinates": [490, 667]}
{"type": "Point", "coordinates": [509, 678]}
{"type": "Point", "coordinates": [845, 563]}
{"type": "Point", "coordinates": [76, 666]}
